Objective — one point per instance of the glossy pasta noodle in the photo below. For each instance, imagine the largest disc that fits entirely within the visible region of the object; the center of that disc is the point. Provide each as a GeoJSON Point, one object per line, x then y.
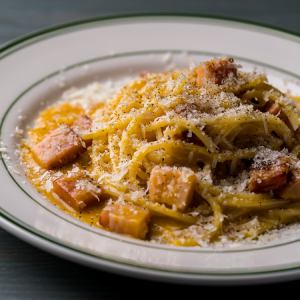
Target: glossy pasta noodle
{"type": "Point", "coordinates": [186, 157]}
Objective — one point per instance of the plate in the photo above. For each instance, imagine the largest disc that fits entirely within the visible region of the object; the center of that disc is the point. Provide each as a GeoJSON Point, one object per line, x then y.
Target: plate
{"type": "Point", "coordinates": [35, 70]}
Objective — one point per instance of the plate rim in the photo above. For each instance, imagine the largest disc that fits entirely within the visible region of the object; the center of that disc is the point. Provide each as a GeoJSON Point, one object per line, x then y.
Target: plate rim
{"type": "Point", "coordinates": [120, 267]}
{"type": "Point", "coordinates": [65, 25]}
{"type": "Point", "coordinates": [117, 236]}
{"type": "Point", "coordinates": [107, 265]}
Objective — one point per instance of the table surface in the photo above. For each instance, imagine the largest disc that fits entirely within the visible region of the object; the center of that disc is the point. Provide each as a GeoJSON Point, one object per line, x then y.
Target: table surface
{"type": "Point", "coordinates": [28, 273]}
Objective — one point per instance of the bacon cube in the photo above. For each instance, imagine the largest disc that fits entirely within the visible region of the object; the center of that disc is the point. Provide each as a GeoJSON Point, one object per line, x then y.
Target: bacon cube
{"type": "Point", "coordinates": [172, 186]}
{"type": "Point", "coordinates": [58, 148]}
{"type": "Point", "coordinates": [216, 71]}
{"type": "Point", "coordinates": [270, 177]}
{"type": "Point", "coordinates": [126, 219]}
{"type": "Point", "coordinates": [78, 191]}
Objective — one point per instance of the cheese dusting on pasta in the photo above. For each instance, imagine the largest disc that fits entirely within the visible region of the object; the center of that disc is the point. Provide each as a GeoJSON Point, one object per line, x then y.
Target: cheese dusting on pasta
{"type": "Point", "coordinates": [185, 157]}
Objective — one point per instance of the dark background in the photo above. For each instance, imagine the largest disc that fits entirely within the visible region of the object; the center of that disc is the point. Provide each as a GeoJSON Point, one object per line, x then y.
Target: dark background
{"type": "Point", "coordinates": [28, 273]}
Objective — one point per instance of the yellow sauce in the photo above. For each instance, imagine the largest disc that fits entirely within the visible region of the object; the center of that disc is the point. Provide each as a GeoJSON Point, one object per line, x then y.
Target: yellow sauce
{"type": "Point", "coordinates": [49, 119]}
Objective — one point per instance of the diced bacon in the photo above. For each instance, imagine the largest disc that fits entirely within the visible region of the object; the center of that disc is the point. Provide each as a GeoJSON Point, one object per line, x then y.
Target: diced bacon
{"type": "Point", "coordinates": [292, 190]}
{"type": "Point", "coordinates": [126, 219]}
{"type": "Point", "coordinates": [81, 125]}
{"type": "Point", "coordinates": [270, 177]}
{"type": "Point", "coordinates": [61, 146]}
{"type": "Point", "coordinates": [78, 191]}
{"type": "Point", "coordinates": [172, 186]}
{"type": "Point", "coordinates": [216, 71]}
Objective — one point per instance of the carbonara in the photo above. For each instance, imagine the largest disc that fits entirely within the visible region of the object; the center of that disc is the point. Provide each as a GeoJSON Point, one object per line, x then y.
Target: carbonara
{"type": "Point", "coordinates": [185, 157]}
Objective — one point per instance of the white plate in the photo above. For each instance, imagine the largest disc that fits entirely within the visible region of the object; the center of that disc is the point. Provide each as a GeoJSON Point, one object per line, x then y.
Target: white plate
{"type": "Point", "coordinates": [38, 68]}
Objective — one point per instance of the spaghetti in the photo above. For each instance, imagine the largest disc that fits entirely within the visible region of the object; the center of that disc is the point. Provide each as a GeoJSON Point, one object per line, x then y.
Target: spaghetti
{"type": "Point", "coordinates": [183, 157]}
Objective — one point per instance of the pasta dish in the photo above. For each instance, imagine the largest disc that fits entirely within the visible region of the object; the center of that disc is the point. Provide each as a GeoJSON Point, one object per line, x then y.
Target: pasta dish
{"type": "Point", "coordinates": [184, 157]}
